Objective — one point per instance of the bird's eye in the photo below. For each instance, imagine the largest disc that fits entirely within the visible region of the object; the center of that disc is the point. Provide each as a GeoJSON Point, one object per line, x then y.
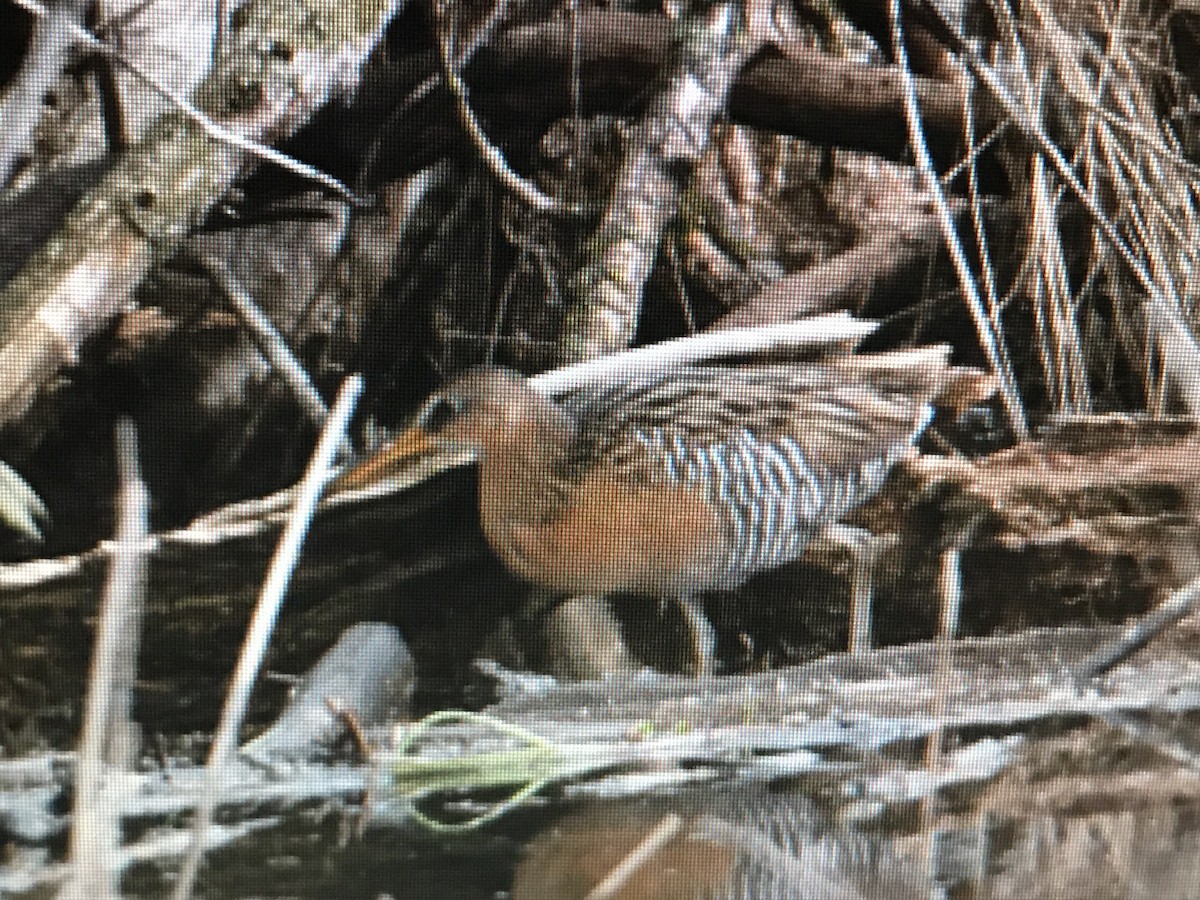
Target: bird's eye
{"type": "Point", "coordinates": [440, 413]}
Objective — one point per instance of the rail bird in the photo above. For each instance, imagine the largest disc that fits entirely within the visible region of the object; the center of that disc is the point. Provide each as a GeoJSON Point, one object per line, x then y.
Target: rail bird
{"type": "Point", "coordinates": [671, 483]}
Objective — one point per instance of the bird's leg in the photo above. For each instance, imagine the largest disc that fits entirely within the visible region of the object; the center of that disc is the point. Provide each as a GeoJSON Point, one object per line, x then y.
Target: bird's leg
{"type": "Point", "coordinates": [864, 556]}
{"type": "Point", "coordinates": [864, 550]}
{"type": "Point", "coordinates": [702, 634]}
{"type": "Point", "coordinates": [950, 591]}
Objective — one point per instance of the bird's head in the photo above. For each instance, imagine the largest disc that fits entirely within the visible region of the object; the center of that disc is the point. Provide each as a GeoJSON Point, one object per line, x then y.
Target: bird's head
{"type": "Point", "coordinates": [481, 410]}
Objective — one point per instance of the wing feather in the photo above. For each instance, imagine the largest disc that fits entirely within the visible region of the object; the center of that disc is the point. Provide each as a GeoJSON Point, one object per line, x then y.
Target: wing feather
{"type": "Point", "coordinates": [784, 449]}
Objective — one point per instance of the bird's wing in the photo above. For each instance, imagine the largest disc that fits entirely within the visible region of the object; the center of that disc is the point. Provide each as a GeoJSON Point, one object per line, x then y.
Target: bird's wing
{"type": "Point", "coordinates": [783, 449]}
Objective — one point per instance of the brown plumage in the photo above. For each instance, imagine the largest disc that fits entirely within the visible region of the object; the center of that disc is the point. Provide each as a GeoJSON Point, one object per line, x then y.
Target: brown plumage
{"type": "Point", "coordinates": [672, 483]}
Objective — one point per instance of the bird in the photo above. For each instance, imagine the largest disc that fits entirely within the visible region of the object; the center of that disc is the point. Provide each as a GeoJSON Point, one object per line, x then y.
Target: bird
{"type": "Point", "coordinates": [669, 483]}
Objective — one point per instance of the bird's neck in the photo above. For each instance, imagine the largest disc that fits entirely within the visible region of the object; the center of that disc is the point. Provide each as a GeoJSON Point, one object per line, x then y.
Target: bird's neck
{"type": "Point", "coordinates": [519, 479]}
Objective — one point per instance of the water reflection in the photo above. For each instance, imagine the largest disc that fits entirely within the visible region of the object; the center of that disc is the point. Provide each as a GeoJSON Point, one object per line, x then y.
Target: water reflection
{"type": "Point", "coordinates": [712, 844]}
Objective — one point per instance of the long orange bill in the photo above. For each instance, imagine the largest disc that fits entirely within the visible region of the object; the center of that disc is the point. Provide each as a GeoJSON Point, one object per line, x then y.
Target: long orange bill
{"type": "Point", "coordinates": [408, 448]}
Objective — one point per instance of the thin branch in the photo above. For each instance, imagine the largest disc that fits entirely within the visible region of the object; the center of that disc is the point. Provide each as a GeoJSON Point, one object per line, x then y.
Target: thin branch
{"type": "Point", "coordinates": [273, 344]}
{"type": "Point", "coordinates": [990, 337]}
{"type": "Point", "coordinates": [1173, 335]}
{"type": "Point", "coordinates": [266, 612]}
{"type": "Point", "coordinates": [492, 157]}
{"type": "Point", "coordinates": [1142, 631]}
{"type": "Point", "coordinates": [108, 730]}
{"type": "Point", "coordinates": [975, 204]}
{"type": "Point", "coordinates": [482, 35]}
